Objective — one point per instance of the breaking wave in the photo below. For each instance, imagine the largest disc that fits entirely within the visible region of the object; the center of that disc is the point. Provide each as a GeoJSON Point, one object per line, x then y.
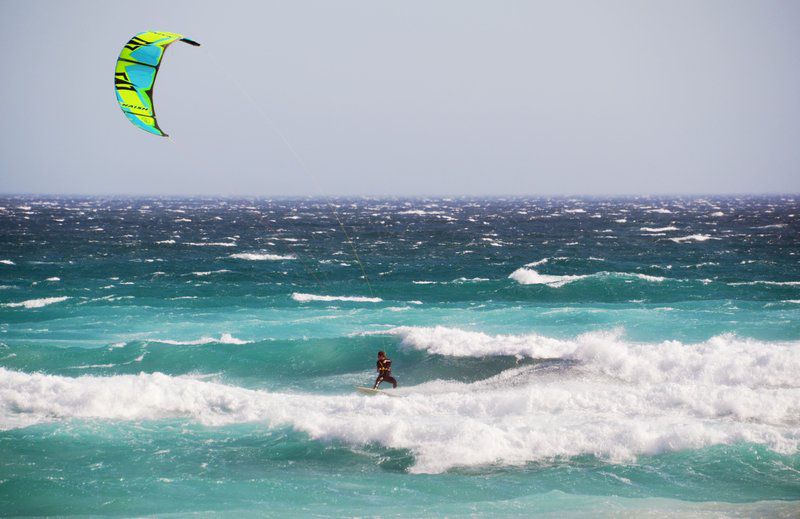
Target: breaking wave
{"type": "Point", "coordinates": [305, 298]}
{"type": "Point", "coordinates": [225, 338]}
{"type": "Point", "coordinates": [211, 244]}
{"type": "Point", "coordinates": [659, 229]}
{"type": "Point", "coordinates": [620, 401]}
{"type": "Point", "coordinates": [694, 237]}
{"type": "Point", "coordinates": [209, 272]}
{"type": "Point", "coordinates": [722, 360]}
{"type": "Point", "coordinates": [257, 256]}
{"type": "Point", "coordinates": [526, 276]}
{"type": "Point", "coordinates": [37, 303]}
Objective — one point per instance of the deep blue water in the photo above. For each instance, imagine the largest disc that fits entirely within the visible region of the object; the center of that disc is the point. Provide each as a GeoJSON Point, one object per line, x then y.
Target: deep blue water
{"type": "Point", "coordinates": [557, 356]}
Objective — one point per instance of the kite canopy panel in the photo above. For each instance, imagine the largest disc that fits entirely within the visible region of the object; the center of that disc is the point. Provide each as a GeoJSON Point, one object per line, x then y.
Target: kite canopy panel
{"type": "Point", "coordinates": [135, 76]}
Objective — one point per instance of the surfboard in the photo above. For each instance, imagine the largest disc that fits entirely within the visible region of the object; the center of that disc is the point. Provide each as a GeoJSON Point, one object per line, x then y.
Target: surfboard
{"type": "Point", "coordinates": [372, 392]}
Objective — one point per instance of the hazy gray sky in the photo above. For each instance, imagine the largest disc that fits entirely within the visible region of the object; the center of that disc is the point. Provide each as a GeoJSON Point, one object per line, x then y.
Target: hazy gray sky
{"type": "Point", "coordinates": [407, 98]}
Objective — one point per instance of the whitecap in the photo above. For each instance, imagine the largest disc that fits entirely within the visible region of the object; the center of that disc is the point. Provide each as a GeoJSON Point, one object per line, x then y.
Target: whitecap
{"type": "Point", "coordinates": [37, 303]}
{"type": "Point", "coordinates": [537, 263]}
{"type": "Point", "coordinates": [772, 226]}
{"type": "Point", "coordinates": [257, 256]}
{"type": "Point", "coordinates": [305, 298]}
{"type": "Point", "coordinates": [761, 282]}
{"type": "Point", "coordinates": [621, 401]}
{"type": "Point", "coordinates": [658, 229]}
{"type": "Point", "coordinates": [419, 212]}
{"type": "Point", "coordinates": [209, 272]}
{"type": "Point", "coordinates": [212, 244]}
{"type": "Point", "coordinates": [525, 276]}
{"type": "Point", "coordinates": [694, 237]}
{"type": "Point", "coordinates": [225, 338]}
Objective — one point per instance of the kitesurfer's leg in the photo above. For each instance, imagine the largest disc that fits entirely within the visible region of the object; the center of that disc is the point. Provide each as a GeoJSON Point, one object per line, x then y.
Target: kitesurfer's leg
{"type": "Point", "coordinates": [392, 380]}
{"type": "Point", "coordinates": [378, 381]}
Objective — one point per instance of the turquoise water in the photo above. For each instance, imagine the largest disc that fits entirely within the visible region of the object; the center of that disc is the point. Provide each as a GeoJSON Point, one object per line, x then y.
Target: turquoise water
{"type": "Point", "coordinates": [555, 356]}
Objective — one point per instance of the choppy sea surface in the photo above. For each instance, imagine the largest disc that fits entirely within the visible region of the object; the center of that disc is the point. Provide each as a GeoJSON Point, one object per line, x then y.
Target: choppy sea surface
{"type": "Point", "coordinates": [555, 356]}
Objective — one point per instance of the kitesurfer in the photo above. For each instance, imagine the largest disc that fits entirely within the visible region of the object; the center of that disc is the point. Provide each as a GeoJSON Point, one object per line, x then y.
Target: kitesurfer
{"type": "Point", "coordinates": [384, 366]}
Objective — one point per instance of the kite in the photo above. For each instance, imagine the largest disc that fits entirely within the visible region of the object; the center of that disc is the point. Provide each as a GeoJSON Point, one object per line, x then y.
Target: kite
{"type": "Point", "coordinates": [135, 76]}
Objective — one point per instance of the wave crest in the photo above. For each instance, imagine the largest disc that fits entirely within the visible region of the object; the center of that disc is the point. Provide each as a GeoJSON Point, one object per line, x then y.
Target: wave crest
{"type": "Point", "coordinates": [258, 256]}
{"type": "Point", "coordinates": [724, 360]}
{"type": "Point", "coordinates": [37, 303]}
{"type": "Point", "coordinates": [526, 276]}
{"type": "Point", "coordinates": [444, 424]}
{"type": "Point", "coordinates": [305, 298]}
{"type": "Point", "coordinates": [225, 338]}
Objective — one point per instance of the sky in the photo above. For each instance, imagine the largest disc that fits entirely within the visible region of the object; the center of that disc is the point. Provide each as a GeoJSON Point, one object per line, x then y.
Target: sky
{"type": "Point", "coordinates": [412, 98]}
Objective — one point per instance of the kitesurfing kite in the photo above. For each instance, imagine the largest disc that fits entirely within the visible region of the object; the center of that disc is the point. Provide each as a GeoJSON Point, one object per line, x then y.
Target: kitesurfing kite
{"type": "Point", "coordinates": [135, 75]}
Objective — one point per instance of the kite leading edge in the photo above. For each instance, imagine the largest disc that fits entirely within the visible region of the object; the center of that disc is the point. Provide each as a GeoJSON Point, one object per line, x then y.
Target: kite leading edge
{"type": "Point", "coordinates": [135, 75]}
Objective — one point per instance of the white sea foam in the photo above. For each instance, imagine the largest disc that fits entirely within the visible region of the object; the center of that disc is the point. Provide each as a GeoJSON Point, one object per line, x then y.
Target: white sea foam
{"type": "Point", "coordinates": [694, 237]}
{"type": "Point", "coordinates": [772, 226]}
{"type": "Point", "coordinates": [643, 277]}
{"type": "Point", "coordinates": [37, 303]}
{"type": "Point", "coordinates": [209, 272]}
{"type": "Point", "coordinates": [722, 360]}
{"type": "Point", "coordinates": [525, 276]}
{"type": "Point", "coordinates": [7, 262]}
{"type": "Point", "coordinates": [613, 399]}
{"type": "Point", "coordinates": [457, 281]}
{"type": "Point", "coordinates": [760, 282]}
{"type": "Point", "coordinates": [441, 340]}
{"type": "Point", "coordinates": [212, 244]}
{"type": "Point", "coordinates": [419, 212]}
{"type": "Point", "coordinates": [305, 298]}
{"type": "Point", "coordinates": [54, 278]}
{"type": "Point", "coordinates": [658, 229]}
{"type": "Point", "coordinates": [537, 263]}
{"type": "Point", "coordinates": [258, 256]}
{"type": "Point", "coordinates": [225, 338]}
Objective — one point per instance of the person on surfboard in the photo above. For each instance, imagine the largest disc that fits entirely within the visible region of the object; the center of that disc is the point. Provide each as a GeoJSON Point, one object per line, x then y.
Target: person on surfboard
{"type": "Point", "coordinates": [384, 371]}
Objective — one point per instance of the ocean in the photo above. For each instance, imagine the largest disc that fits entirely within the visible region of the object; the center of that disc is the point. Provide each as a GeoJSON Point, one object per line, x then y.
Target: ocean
{"type": "Point", "coordinates": [555, 356]}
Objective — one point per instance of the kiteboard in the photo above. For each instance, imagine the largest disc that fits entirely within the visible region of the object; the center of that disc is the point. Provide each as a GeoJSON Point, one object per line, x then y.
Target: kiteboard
{"type": "Point", "coordinates": [372, 392]}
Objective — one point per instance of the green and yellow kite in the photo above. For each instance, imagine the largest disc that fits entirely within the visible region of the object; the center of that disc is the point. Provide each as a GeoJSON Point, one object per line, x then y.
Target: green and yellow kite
{"type": "Point", "coordinates": [135, 75]}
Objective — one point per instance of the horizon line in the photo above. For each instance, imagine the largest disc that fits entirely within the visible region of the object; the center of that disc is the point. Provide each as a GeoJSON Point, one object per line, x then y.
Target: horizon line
{"type": "Point", "coordinates": [399, 196]}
